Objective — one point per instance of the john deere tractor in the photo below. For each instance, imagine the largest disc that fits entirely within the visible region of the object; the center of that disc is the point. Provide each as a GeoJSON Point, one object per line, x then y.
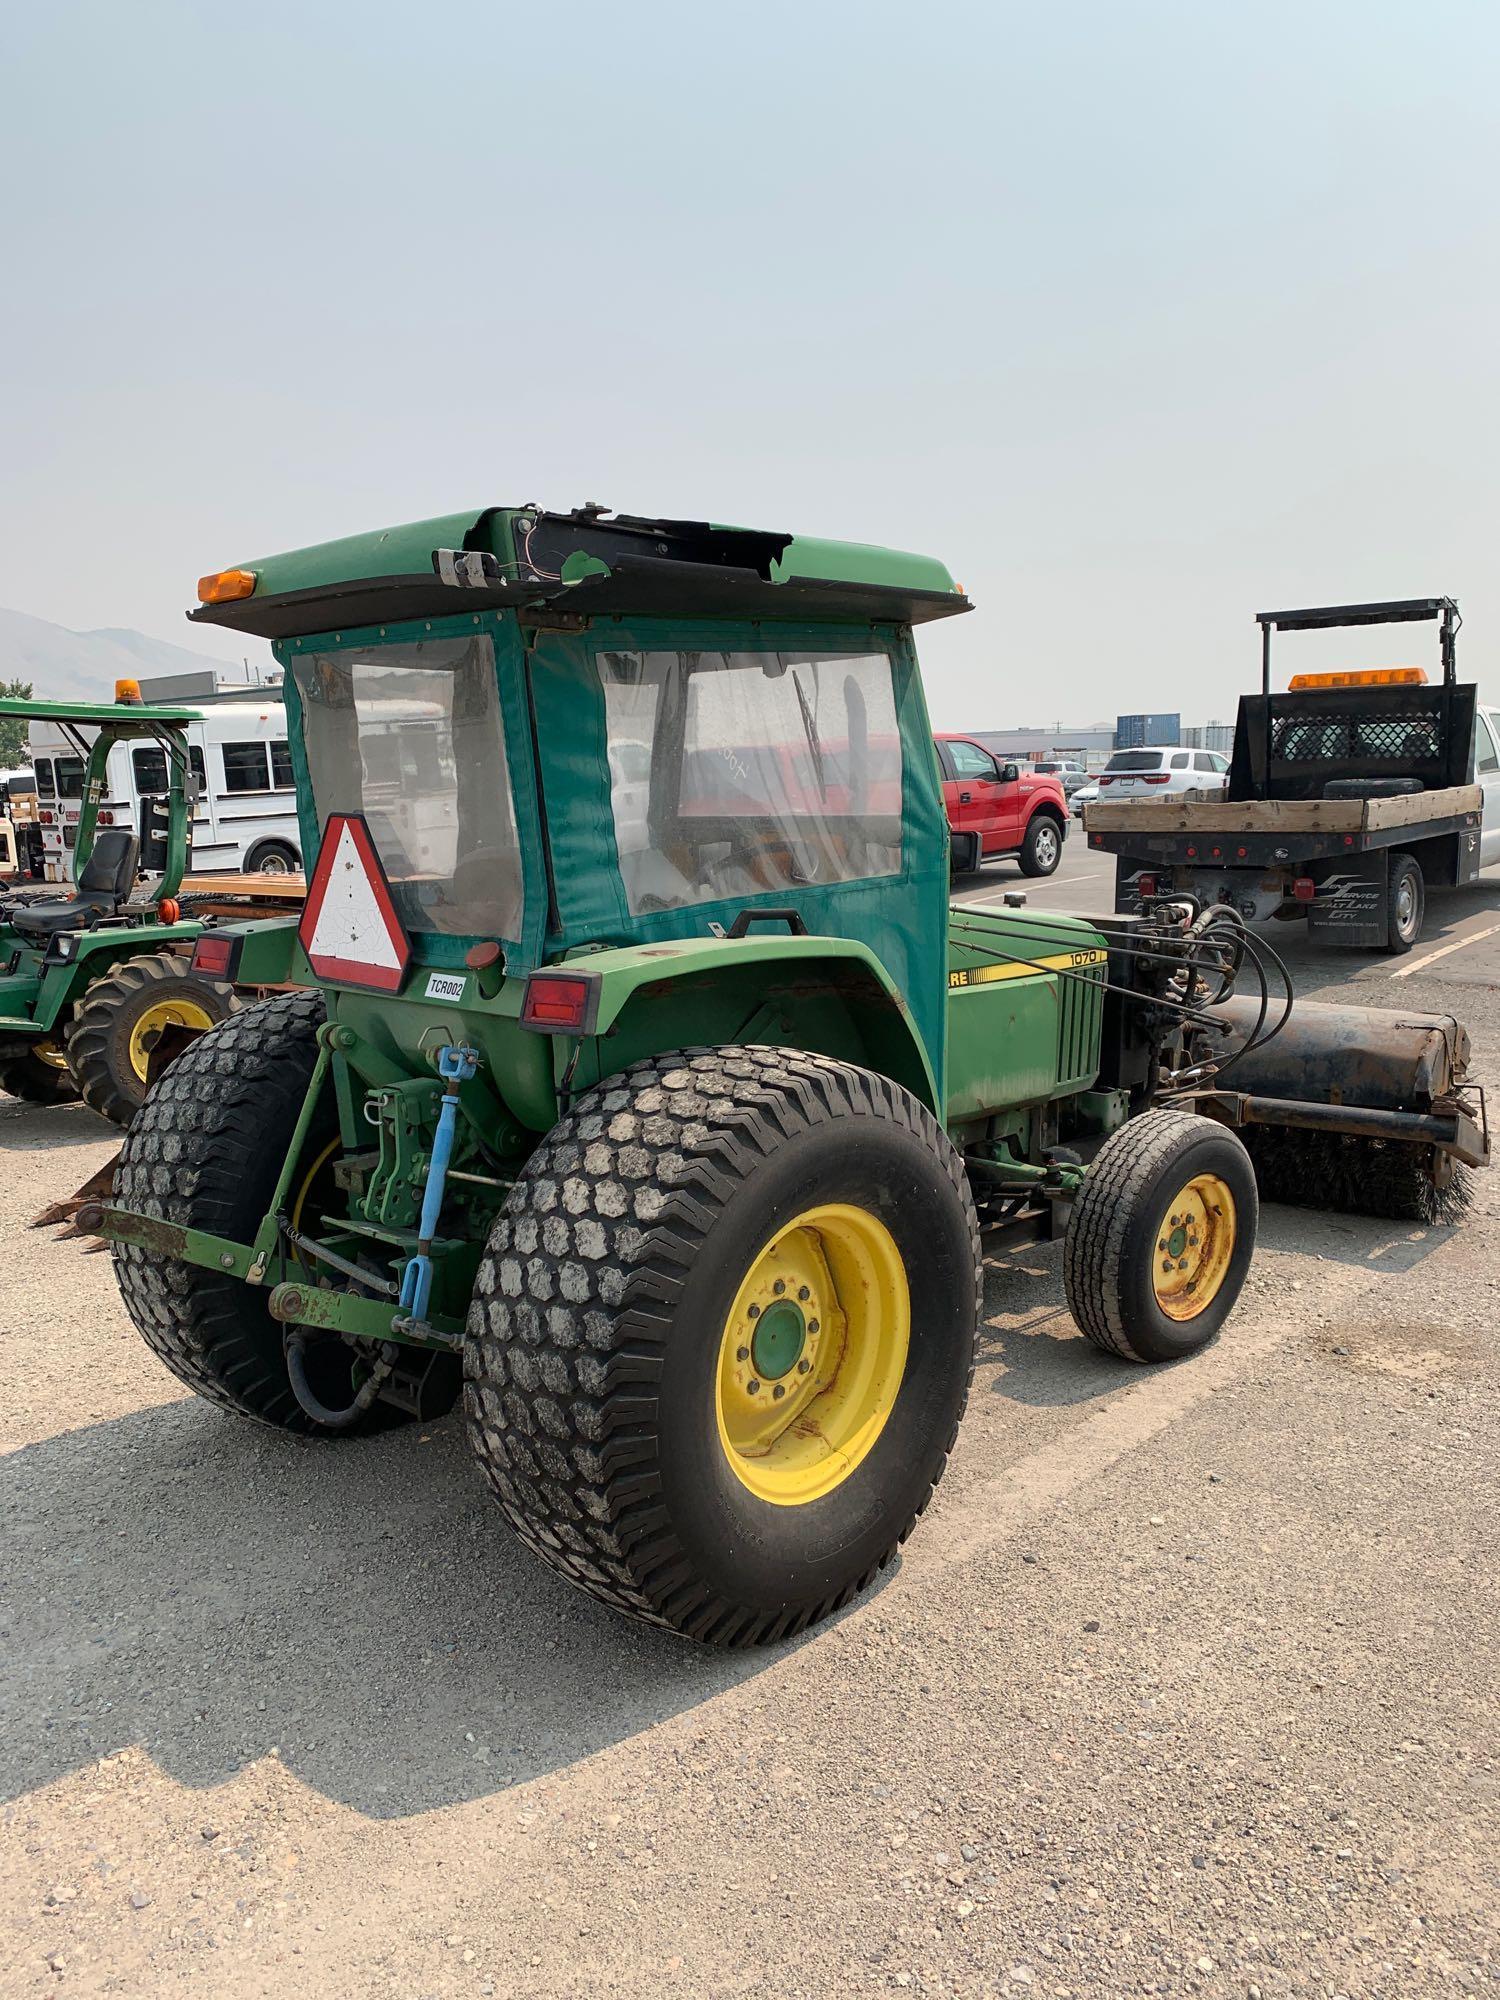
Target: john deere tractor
{"type": "Point", "coordinates": [645, 1086]}
{"type": "Point", "coordinates": [90, 981]}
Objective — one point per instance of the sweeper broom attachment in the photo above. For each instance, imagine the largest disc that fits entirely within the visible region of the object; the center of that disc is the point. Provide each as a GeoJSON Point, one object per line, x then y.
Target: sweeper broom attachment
{"type": "Point", "coordinates": [1355, 1109]}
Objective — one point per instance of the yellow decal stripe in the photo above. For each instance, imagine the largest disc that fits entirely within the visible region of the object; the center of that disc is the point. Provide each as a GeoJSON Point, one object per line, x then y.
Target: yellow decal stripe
{"type": "Point", "coordinates": [1062, 961]}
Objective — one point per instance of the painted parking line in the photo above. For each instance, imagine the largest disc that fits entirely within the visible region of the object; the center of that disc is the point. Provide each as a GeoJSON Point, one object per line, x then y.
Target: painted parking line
{"type": "Point", "coordinates": [1416, 964]}
{"type": "Point", "coordinates": [1031, 886]}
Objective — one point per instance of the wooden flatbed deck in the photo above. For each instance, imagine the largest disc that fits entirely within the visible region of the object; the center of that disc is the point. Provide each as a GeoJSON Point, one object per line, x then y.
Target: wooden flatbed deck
{"type": "Point", "coordinates": [1271, 816]}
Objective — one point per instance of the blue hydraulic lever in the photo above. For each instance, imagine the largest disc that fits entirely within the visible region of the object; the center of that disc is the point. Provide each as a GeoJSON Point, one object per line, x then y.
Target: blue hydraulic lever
{"type": "Point", "coordinates": [455, 1066]}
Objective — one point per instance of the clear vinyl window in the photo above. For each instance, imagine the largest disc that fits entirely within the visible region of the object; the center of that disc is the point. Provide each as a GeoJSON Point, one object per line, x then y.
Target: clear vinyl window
{"type": "Point", "coordinates": [411, 736]}
{"type": "Point", "coordinates": [737, 773]}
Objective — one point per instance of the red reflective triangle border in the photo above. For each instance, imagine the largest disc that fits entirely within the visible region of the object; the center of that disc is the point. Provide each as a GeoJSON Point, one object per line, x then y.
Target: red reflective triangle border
{"type": "Point", "coordinates": [347, 971]}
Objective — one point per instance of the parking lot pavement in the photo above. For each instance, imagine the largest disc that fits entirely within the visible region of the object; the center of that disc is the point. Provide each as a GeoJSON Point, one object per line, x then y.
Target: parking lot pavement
{"type": "Point", "coordinates": [1186, 1684]}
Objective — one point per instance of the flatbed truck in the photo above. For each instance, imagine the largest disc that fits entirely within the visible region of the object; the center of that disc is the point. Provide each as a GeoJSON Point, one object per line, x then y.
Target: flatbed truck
{"type": "Point", "coordinates": [1350, 795]}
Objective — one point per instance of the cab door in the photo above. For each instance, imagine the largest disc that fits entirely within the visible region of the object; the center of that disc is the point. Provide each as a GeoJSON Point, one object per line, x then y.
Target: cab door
{"type": "Point", "coordinates": [977, 800]}
{"type": "Point", "coordinates": [1487, 777]}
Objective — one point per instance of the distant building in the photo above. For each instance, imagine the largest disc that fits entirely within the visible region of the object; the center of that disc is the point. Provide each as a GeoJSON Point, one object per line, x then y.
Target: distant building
{"type": "Point", "coordinates": [1211, 736]}
{"type": "Point", "coordinates": [204, 684]}
{"type": "Point", "coordinates": [1140, 732]}
{"type": "Point", "coordinates": [1089, 747]}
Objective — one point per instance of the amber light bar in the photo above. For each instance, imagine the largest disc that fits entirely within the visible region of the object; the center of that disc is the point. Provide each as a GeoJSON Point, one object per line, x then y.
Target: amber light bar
{"type": "Point", "coordinates": [1364, 677]}
{"type": "Point", "coordinates": [225, 585]}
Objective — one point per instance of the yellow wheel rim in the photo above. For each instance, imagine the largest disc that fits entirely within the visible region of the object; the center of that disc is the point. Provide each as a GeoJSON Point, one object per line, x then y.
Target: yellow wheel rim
{"type": "Point", "coordinates": [813, 1354]}
{"type": "Point", "coordinates": [50, 1054]}
{"type": "Point", "coordinates": [146, 1032]}
{"type": "Point", "coordinates": [1195, 1242]}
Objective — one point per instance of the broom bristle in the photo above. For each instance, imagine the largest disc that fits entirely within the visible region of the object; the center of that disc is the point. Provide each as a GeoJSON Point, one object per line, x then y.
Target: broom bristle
{"type": "Point", "coordinates": [1355, 1176]}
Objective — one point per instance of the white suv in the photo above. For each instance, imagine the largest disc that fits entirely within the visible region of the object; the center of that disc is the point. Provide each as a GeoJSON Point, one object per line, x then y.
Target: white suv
{"type": "Point", "coordinates": [1163, 774]}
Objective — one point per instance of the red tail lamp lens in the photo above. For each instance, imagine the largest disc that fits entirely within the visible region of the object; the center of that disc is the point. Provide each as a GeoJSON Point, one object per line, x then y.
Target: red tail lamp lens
{"type": "Point", "coordinates": [1158, 777]}
{"type": "Point", "coordinates": [558, 1003]}
{"type": "Point", "coordinates": [214, 956]}
{"type": "Point", "coordinates": [1304, 888]}
{"type": "Point", "coordinates": [1146, 884]}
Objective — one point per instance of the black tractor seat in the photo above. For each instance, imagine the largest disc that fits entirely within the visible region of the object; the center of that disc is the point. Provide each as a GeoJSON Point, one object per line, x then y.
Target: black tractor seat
{"type": "Point", "coordinates": [104, 886]}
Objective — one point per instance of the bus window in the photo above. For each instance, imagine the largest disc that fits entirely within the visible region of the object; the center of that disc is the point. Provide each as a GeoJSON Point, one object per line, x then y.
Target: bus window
{"type": "Point", "coordinates": [70, 777]}
{"type": "Point", "coordinates": [281, 766]}
{"type": "Point", "coordinates": [245, 768]}
{"type": "Point", "coordinates": [43, 769]}
{"type": "Point", "coordinates": [150, 767]}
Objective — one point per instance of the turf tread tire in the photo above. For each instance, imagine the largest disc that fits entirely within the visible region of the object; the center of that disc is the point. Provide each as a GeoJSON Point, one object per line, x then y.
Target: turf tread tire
{"type": "Point", "coordinates": [1108, 1213]}
{"type": "Point", "coordinates": [574, 1298]}
{"type": "Point", "coordinates": [202, 1151]}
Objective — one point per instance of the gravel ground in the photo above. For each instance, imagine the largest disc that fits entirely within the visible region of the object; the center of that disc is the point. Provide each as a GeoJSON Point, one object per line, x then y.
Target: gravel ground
{"type": "Point", "coordinates": [1186, 1684]}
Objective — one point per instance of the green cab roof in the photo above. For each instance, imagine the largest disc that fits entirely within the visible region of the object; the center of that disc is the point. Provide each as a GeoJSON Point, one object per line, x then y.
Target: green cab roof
{"type": "Point", "coordinates": [97, 712]}
{"type": "Point", "coordinates": [589, 562]}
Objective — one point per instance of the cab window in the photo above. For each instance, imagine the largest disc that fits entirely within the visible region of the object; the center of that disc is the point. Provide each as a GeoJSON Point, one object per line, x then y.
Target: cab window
{"type": "Point", "coordinates": [970, 761]}
{"type": "Point", "coordinates": [766, 771]}
{"type": "Point", "coordinates": [44, 785]}
{"type": "Point", "coordinates": [1486, 757]}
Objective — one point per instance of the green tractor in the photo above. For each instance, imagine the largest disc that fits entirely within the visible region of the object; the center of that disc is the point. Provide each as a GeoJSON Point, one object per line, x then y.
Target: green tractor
{"type": "Point", "coordinates": [92, 982]}
{"type": "Point", "coordinates": [644, 1086]}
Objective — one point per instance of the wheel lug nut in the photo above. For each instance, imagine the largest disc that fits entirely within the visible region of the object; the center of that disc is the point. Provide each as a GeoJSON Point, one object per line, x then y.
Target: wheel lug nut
{"type": "Point", "coordinates": [1182, 1263]}
{"type": "Point", "coordinates": [1163, 1244]}
{"type": "Point", "coordinates": [752, 1385]}
{"type": "Point", "coordinates": [803, 1292]}
{"type": "Point", "coordinates": [778, 1392]}
{"type": "Point", "coordinates": [754, 1313]}
{"type": "Point", "coordinates": [779, 1287]}
{"type": "Point", "coordinates": [812, 1326]}
{"type": "Point", "coordinates": [803, 1367]}
{"type": "Point", "coordinates": [742, 1354]}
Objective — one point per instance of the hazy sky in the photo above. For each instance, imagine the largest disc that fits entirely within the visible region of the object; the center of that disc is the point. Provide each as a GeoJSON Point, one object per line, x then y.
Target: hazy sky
{"type": "Point", "coordinates": [1142, 317]}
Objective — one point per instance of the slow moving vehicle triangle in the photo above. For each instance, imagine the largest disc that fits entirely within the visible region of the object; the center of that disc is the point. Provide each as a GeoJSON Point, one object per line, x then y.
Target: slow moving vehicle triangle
{"type": "Point", "coordinates": [349, 929]}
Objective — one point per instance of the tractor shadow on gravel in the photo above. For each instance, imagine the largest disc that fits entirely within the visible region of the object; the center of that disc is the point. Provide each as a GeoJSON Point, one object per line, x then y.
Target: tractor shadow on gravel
{"type": "Point", "coordinates": [210, 1591]}
{"type": "Point", "coordinates": [51, 1128]}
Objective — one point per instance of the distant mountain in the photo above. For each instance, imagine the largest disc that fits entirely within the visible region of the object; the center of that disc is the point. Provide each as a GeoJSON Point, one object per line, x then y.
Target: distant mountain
{"type": "Point", "coordinates": [63, 665]}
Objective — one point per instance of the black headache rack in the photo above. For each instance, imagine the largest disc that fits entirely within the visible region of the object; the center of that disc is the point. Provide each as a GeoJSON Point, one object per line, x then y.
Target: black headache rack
{"type": "Point", "coordinates": [1365, 740]}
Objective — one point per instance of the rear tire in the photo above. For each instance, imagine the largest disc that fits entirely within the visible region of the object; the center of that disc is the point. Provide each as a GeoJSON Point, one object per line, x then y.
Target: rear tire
{"type": "Point", "coordinates": [1160, 1239]}
{"type": "Point", "coordinates": [38, 1075]}
{"type": "Point", "coordinates": [612, 1354]}
{"type": "Point", "coordinates": [121, 1016]}
{"type": "Point", "coordinates": [1041, 850]}
{"type": "Point", "coordinates": [272, 857]}
{"type": "Point", "coordinates": [1406, 903]}
{"type": "Point", "coordinates": [206, 1150]}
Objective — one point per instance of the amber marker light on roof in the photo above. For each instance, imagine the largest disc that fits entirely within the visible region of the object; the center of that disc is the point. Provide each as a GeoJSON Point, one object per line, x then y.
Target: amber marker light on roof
{"type": "Point", "coordinates": [1366, 677]}
{"type": "Point", "coordinates": [225, 585]}
{"type": "Point", "coordinates": [128, 691]}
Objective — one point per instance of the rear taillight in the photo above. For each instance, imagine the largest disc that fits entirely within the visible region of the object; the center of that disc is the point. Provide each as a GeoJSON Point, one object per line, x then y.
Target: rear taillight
{"type": "Point", "coordinates": [1304, 888]}
{"type": "Point", "coordinates": [215, 957]}
{"type": "Point", "coordinates": [1145, 885]}
{"type": "Point", "coordinates": [105, 819]}
{"type": "Point", "coordinates": [1105, 779]}
{"type": "Point", "coordinates": [1157, 777]}
{"type": "Point", "coordinates": [45, 818]}
{"type": "Point", "coordinates": [560, 1003]}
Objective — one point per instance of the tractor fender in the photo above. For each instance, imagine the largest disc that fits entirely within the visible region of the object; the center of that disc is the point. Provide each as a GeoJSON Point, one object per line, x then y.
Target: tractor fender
{"type": "Point", "coordinates": [829, 995]}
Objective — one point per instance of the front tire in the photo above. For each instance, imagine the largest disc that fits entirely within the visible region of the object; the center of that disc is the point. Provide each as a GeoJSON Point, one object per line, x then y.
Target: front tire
{"type": "Point", "coordinates": [1160, 1239]}
{"type": "Point", "coordinates": [1041, 850]}
{"type": "Point", "coordinates": [693, 1233]}
{"type": "Point", "coordinates": [121, 1017]}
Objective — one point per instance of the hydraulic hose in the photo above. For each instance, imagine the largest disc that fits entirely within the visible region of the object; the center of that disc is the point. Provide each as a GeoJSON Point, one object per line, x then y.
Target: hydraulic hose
{"type": "Point", "coordinates": [307, 1401]}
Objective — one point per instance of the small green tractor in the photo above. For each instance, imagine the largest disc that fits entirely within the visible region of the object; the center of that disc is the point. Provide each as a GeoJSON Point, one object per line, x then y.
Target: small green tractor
{"type": "Point", "coordinates": [643, 1086]}
{"type": "Point", "coordinates": [91, 982]}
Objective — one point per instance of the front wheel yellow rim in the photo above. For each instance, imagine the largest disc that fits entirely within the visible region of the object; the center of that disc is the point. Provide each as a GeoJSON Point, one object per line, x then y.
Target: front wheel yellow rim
{"type": "Point", "coordinates": [1194, 1247]}
{"type": "Point", "coordinates": [813, 1354]}
{"type": "Point", "coordinates": [49, 1054]}
{"type": "Point", "coordinates": [146, 1031]}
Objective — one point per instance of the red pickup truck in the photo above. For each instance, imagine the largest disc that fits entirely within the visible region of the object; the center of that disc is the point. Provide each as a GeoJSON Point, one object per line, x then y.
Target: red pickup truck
{"type": "Point", "coordinates": [996, 808]}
